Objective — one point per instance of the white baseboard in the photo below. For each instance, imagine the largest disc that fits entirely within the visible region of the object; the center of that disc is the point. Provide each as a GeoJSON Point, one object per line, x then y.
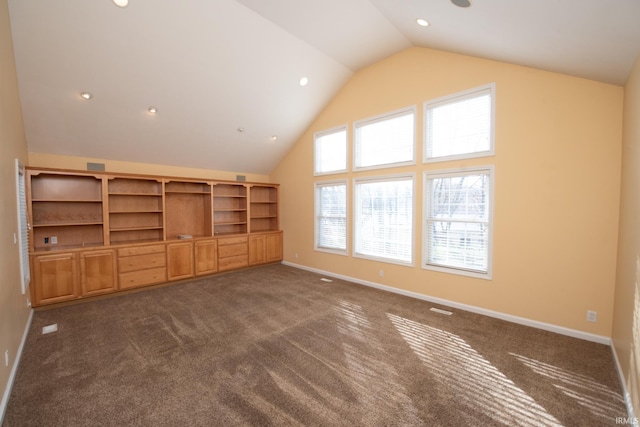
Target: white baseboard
{"type": "Point", "coordinates": [503, 316]}
{"type": "Point", "coordinates": [623, 383]}
{"type": "Point", "coordinates": [14, 369]}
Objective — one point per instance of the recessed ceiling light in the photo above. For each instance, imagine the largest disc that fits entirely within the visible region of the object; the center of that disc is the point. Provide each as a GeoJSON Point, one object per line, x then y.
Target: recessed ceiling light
{"type": "Point", "coordinates": [121, 3]}
{"type": "Point", "coordinates": [240, 129]}
{"type": "Point", "coordinates": [304, 81]}
{"type": "Point", "coordinates": [461, 3]}
{"type": "Point", "coordinates": [152, 110]}
{"type": "Point", "coordinates": [422, 22]}
{"type": "Point", "coordinates": [274, 137]}
{"type": "Point", "coordinates": [86, 95]}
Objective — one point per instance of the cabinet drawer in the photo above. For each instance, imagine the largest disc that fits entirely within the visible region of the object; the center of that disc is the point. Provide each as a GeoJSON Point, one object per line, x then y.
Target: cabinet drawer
{"type": "Point", "coordinates": [233, 262]}
{"type": "Point", "coordinates": [232, 250]}
{"type": "Point", "coordinates": [141, 250]}
{"type": "Point", "coordinates": [141, 262]}
{"type": "Point", "coordinates": [232, 240]}
{"type": "Point", "coordinates": [143, 277]}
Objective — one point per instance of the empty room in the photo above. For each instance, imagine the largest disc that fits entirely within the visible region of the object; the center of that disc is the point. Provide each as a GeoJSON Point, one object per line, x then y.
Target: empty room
{"type": "Point", "coordinates": [371, 213]}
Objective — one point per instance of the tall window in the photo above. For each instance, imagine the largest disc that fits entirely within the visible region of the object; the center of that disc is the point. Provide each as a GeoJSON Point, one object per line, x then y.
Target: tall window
{"type": "Point", "coordinates": [385, 141]}
{"type": "Point", "coordinates": [384, 219]}
{"type": "Point", "coordinates": [23, 241]}
{"type": "Point", "coordinates": [458, 221]}
{"type": "Point", "coordinates": [331, 217]}
{"type": "Point", "coordinates": [330, 151]}
{"type": "Point", "coordinates": [460, 125]}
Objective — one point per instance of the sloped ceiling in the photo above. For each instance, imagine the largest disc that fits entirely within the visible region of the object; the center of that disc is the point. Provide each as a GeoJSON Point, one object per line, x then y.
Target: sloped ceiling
{"type": "Point", "coordinates": [212, 67]}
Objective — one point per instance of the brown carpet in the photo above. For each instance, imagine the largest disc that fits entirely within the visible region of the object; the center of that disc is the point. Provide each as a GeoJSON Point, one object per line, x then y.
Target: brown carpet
{"type": "Point", "coordinates": [277, 346]}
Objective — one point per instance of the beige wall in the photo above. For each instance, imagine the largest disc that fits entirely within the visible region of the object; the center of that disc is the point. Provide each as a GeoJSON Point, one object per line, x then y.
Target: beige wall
{"type": "Point", "coordinates": [626, 321]}
{"type": "Point", "coordinates": [44, 160]}
{"type": "Point", "coordinates": [14, 312]}
{"type": "Point", "coordinates": [557, 176]}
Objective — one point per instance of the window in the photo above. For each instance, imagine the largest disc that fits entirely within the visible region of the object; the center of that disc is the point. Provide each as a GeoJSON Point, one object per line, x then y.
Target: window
{"type": "Point", "coordinates": [385, 141]}
{"type": "Point", "coordinates": [23, 226]}
{"type": "Point", "coordinates": [458, 221]}
{"type": "Point", "coordinates": [384, 219]}
{"type": "Point", "coordinates": [460, 125]}
{"type": "Point", "coordinates": [330, 151]}
{"type": "Point", "coordinates": [331, 217]}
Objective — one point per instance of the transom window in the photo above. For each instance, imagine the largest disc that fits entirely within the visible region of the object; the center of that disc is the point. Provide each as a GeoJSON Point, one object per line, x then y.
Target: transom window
{"type": "Point", "coordinates": [460, 125]}
{"type": "Point", "coordinates": [385, 141]}
{"type": "Point", "coordinates": [330, 151]}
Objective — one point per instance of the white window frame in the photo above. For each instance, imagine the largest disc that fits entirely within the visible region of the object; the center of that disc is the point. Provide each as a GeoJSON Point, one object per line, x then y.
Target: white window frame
{"type": "Point", "coordinates": [356, 215]}
{"type": "Point", "coordinates": [320, 134]}
{"type": "Point", "coordinates": [23, 226]}
{"type": "Point", "coordinates": [380, 118]}
{"type": "Point", "coordinates": [316, 227]}
{"type": "Point", "coordinates": [490, 170]}
{"type": "Point", "coordinates": [459, 96]}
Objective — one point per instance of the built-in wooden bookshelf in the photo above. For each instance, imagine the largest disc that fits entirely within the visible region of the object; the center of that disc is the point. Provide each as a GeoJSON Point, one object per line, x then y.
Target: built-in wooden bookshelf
{"type": "Point", "coordinates": [229, 209]}
{"type": "Point", "coordinates": [66, 211]}
{"type": "Point", "coordinates": [96, 233]}
{"type": "Point", "coordinates": [187, 209]}
{"type": "Point", "coordinates": [263, 208]}
{"type": "Point", "coordinates": [135, 210]}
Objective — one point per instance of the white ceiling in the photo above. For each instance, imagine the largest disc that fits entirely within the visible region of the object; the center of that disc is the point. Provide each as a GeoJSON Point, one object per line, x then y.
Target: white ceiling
{"type": "Point", "coordinates": [213, 66]}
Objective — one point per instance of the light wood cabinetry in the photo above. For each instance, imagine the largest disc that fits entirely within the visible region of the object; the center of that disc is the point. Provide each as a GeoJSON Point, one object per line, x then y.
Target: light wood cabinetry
{"type": "Point", "coordinates": [142, 265]}
{"type": "Point", "coordinates": [263, 208]}
{"type": "Point", "coordinates": [188, 209]}
{"type": "Point", "coordinates": [66, 211]}
{"type": "Point", "coordinates": [206, 254]}
{"type": "Point", "coordinates": [180, 260]}
{"type": "Point", "coordinates": [229, 209]}
{"type": "Point", "coordinates": [55, 278]}
{"type": "Point", "coordinates": [273, 243]}
{"type": "Point", "coordinates": [95, 233]}
{"type": "Point", "coordinates": [265, 247]}
{"type": "Point", "coordinates": [135, 210]}
{"type": "Point", "coordinates": [233, 253]}
{"type": "Point", "coordinates": [98, 272]}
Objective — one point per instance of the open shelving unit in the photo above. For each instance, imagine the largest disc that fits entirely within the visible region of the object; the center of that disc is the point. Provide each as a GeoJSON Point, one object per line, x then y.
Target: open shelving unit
{"type": "Point", "coordinates": [263, 208]}
{"type": "Point", "coordinates": [66, 211]}
{"type": "Point", "coordinates": [229, 209]}
{"type": "Point", "coordinates": [187, 209]}
{"type": "Point", "coordinates": [135, 210]}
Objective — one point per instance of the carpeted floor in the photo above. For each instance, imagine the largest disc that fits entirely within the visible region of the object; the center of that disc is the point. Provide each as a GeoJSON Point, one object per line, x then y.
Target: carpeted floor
{"type": "Point", "coordinates": [277, 346]}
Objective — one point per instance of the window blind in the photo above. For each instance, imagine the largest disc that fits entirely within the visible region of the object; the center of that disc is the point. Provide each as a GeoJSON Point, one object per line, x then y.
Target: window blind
{"type": "Point", "coordinates": [385, 140]}
{"type": "Point", "coordinates": [330, 151]}
{"type": "Point", "coordinates": [331, 216]}
{"type": "Point", "coordinates": [23, 225]}
{"type": "Point", "coordinates": [384, 219]}
{"type": "Point", "coordinates": [459, 125]}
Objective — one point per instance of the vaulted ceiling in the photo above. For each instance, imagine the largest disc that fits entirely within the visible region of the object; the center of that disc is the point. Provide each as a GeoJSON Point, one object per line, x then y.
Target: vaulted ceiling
{"type": "Point", "coordinates": [224, 74]}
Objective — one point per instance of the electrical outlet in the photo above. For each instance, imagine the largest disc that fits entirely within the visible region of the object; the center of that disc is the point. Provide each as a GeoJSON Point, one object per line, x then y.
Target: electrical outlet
{"type": "Point", "coordinates": [6, 358]}
{"type": "Point", "coordinates": [592, 316]}
{"type": "Point", "coordinates": [46, 240]}
{"type": "Point", "coordinates": [296, 255]}
{"type": "Point", "coordinates": [381, 273]}
{"type": "Point", "coordinates": [54, 240]}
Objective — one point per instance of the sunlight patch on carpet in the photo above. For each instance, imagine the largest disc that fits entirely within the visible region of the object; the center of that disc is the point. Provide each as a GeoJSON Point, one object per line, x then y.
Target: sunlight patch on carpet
{"type": "Point", "coordinates": [586, 391]}
{"type": "Point", "coordinates": [478, 383]}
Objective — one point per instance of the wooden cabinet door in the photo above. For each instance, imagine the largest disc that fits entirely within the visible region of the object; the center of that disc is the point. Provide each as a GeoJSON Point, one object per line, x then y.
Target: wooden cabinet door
{"type": "Point", "coordinates": [97, 272]}
{"type": "Point", "coordinates": [55, 278]}
{"type": "Point", "coordinates": [257, 250]}
{"type": "Point", "coordinates": [273, 247]}
{"type": "Point", "coordinates": [179, 260]}
{"type": "Point", "coordinates": [206, 257]}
